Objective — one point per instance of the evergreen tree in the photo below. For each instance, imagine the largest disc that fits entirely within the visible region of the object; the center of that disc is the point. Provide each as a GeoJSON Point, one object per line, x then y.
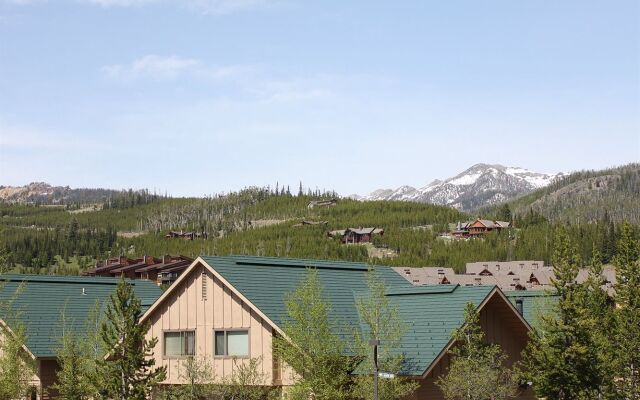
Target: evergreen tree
{"type": "Point", "coordinates": [504, 214]}
{"type": "Point", "coordinates": [477, 370]}
{"type": "Point", "coordinates": [382, 322]}
{"type": "Point", "coordinates": [627, 315]}
{"type": "Point", "coordinates": [312, 348]}
{"type": "Point", "coordinates": [562, 357]}
{"type": "Point", "coordinates": [597, 313]}
{"type": "Point", "coordinates": [129, 372]}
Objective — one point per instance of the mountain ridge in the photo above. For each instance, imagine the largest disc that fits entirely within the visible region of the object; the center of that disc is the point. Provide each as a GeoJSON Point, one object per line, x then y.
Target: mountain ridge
{"type": "Point", "coordinates": [478, 186]}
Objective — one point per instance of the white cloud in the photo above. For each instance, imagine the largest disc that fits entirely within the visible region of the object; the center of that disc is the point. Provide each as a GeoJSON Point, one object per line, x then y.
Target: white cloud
{"type": "Point", "coordinates": [152, 66]}
{"type": "Point", "coordinates": [19, 2]}
{"type": "Point", "coordinates": [160, 68]}
{"type": "Point", "coordinates": [121, 3]}
{"type": "Point", "coordinates": [210, 7]}
{"type": "Point", "coordinates": [222, 7]}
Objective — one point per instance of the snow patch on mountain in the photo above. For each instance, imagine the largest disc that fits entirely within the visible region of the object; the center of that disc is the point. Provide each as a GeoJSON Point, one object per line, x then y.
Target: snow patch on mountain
{"type": "Point", "coordinates": [480, 185]}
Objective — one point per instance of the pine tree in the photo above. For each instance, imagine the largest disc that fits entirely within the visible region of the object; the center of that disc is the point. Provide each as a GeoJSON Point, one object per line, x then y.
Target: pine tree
{"type": "Point", "coordinates": [597, 313]}
{"type": "Point", "coordinates": [627, 315]}
{"type": "Point", "coordinates": [561, 357]}
{"type": "Point", "coordinates": [129, 372]}
{"type": "Point", "coordinates": [382, 322]}
{"type": "Point", "coordinates": [477, 370]}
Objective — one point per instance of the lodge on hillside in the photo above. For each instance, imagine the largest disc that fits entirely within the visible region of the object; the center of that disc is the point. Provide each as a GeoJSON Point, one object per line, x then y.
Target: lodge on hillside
{"type": "Point", "coordinates": [186, 235]}
{"type": "Point", "coordinates": [356, 235]}
{"type": "Point", "coordinates": [322, 203]}
{"type": "Point", "coordinates": [478, 228]}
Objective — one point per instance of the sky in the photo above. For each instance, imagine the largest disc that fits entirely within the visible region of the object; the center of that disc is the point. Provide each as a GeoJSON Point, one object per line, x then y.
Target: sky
{"type": "Point", "coordinates": [196, 97]}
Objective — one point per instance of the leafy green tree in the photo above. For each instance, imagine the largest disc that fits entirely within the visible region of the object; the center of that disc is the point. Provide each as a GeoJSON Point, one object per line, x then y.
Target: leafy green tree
{"type": "Point", "coordinates": [78, 356]}
{"type": "Point", "coordinates": [382, 321]}
{"type": "Point", "coordinates": [71, 377]}
{"type": "Point", "coordinates": [198, 377]}
{"type": "Point", "coordinates": [246, 382]}
{"type": "Point", "coordinates": [627, 315]}
{"type": "Point", "coordinates": [562, 357]}
{"type": "Point", "coordinates": [17, 368]}
{"type": "Point", "coordinates": [312, 347]}
{"type": "Point", "coordinates": [128, 372]}
{"type": "Point", "coordinates": [477, 370]}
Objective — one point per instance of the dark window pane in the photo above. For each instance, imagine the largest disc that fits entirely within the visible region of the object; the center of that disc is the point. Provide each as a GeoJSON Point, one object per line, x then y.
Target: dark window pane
{"type": "Point", "coordinates": [189, 343]}
{"type": "Point", "coordinates": [219, 343]}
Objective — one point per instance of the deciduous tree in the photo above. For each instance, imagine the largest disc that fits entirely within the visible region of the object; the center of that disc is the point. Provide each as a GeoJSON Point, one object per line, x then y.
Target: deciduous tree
{"type": "Point", "coordinates": [382, 321]}
{"type": "Point", "coordinates": [477, 370]}
{"type": "Point", "coordinates": [312, 347]}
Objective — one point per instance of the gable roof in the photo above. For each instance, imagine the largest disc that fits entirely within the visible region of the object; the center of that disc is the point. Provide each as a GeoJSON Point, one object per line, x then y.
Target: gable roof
{"type": "Point", "coordinates": [430, 312]}
{"type": "Point", "coordinates": [535, 303]}
{"type": "Point", "coordinates": [38, 301]}
{"type": "Point", "coordinates": [265, 282]}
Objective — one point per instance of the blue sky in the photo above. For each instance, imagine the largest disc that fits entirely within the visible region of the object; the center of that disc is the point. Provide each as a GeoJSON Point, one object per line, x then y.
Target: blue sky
{"type": "Point", "coordinates": [202, 96]}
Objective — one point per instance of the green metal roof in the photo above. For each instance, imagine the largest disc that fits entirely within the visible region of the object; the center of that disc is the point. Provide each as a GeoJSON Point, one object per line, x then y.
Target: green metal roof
{"type": "Point", "coordinates": [38, 301]}
{"type": "Point", "coordinates": [266, 281]}
{"type": "Point", "coordinates": [534, 303]}
{"type": "Point", "coordinates": [430, 312]}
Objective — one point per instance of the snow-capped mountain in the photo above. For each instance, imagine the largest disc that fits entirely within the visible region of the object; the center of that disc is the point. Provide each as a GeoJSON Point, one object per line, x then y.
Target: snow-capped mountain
{"type": "Point", "coordinates": [480, 185]}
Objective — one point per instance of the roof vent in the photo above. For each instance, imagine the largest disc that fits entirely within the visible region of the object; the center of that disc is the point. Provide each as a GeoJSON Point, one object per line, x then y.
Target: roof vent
{"type": "Point", "coordinates": [84, 292]}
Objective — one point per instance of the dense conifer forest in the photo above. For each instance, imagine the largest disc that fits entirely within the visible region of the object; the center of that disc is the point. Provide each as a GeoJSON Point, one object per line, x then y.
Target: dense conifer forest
{"type": "Point", "coordinates": [586, 196]}
{"type": "Point", "coordinates": [266, 221]}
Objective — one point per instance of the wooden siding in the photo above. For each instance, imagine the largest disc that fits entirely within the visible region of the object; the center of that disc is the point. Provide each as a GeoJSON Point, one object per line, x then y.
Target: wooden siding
{"type": "Point", "coordinates": [221, 308]}
{"type": "Point", "coordinates": [501, 326]}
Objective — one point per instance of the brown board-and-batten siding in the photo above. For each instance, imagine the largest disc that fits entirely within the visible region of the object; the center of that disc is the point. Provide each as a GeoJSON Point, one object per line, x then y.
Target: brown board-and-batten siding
{"type": "Point", "coordinates": [202, 303]}
{"type": "Point", "coordinates": [500, 326]}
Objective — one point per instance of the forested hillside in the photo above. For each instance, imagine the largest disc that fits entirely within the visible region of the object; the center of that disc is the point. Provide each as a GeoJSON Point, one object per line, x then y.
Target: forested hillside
{"type": "Point", "coordinates": [261, 221]}
{"type": "Point", "coordinates": [587, 196]}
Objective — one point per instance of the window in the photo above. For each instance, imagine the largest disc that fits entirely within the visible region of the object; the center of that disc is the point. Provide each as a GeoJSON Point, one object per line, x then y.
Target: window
{"type": "Point", "coordinates": [519, 306]}
{"type": "Point", "coordinates": [233, 343]}
{"type": "Point", "coordinates": [178, 344]}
